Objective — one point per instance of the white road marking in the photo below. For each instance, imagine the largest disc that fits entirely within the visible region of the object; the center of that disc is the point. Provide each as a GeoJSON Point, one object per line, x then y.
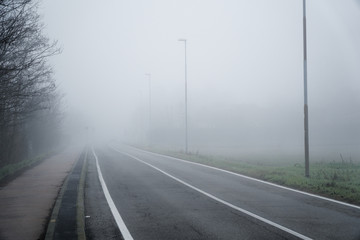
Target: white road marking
{"type": "Point", "coordinates": [119, 221]}
{"type": "Point", "coordinates": [220, 200]}
{"type": "Point", "coordinates": [253, 179]}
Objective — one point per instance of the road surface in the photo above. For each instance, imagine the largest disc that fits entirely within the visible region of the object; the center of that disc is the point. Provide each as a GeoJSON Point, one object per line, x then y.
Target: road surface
{"type": "Point", "coordinates": [159, 197]}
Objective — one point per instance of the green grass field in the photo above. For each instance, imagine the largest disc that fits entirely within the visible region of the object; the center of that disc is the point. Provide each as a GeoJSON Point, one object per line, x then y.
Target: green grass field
{"type": "Point", "coordinates": [337, 180]}
{"type": "Point", "coordinates": [13, 168]}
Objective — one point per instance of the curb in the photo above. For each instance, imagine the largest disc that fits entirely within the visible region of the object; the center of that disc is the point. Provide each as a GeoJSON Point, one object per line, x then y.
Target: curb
{"type": "Point", "coordinates": [52, 222]}
{"type": "Point", "coordinates": [80, 222]}
{"type": "Point", "coordinates": [80, 218]}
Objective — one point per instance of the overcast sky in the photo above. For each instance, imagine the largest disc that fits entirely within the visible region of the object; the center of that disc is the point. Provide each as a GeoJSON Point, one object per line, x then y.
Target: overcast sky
{"type": "Point", "coordinates": [242, 55]}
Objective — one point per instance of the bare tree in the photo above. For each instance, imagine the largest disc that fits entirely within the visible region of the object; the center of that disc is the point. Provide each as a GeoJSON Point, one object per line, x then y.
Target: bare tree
{"type": "Point", "coordinates": [26, 83]}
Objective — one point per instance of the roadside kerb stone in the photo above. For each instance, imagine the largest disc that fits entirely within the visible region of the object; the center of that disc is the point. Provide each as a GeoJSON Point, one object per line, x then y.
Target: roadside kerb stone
{"type": "Point", "coordinates": [67, 218]}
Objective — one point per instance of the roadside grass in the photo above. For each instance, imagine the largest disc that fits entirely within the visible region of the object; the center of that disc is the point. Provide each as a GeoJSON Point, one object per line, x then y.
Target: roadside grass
{"type": "Point", "coordinates": [13, 168]}
{"type": "Point", "coordinates": [338, 180]}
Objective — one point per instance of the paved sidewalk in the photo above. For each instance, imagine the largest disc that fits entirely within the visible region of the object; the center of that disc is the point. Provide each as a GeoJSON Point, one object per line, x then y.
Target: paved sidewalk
{"type": "Point", "coordinates": [26, 202]}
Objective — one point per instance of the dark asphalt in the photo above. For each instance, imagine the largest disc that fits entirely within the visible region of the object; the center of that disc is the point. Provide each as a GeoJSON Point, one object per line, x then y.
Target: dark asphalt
{"type": "Point", "coordinates": [66, 222]}
{"type": "Point", "coordinates": [155, 206]}
{"type": "Point", "coordinates": [99, 222]}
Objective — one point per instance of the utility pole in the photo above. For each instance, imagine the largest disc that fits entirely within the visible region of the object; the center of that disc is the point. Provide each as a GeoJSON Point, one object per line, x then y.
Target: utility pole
{"type": "Point", "coordinates": [306, 110]}
{"type": "Point", "coordinates": [149, 126]}
{"type": "Point", "coordinates": [186, 118]}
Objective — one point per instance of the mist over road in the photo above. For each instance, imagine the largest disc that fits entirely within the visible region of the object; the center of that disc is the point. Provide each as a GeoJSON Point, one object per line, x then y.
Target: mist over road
{"type": "Point", "coordinates": [159, 197]}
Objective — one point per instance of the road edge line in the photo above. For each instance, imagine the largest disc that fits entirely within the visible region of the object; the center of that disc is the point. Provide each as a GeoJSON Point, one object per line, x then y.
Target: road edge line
{"type": "Point", "coordinates": [278, 226]}
{"type": "Point", "coordinates": [254, 179]}
{"type": "Point", "coordinates": [118, 219]}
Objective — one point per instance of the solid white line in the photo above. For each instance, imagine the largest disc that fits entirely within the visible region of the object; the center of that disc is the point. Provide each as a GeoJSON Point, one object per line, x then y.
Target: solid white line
{"type": "Point", "coordinates": [119, 221]}
{"type": "Point", "coordinates": [220, 200]}
{"type": "Point", "coordinates": [253, 179]}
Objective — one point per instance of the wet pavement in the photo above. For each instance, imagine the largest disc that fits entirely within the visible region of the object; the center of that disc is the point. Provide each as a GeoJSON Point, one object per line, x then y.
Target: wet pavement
{"type": "Point", "coordinates": [26, 202]}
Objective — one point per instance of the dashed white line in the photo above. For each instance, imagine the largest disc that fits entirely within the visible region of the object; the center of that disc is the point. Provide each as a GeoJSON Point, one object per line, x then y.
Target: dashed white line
{"type": "Point", "coordinates": [253, 179]}
{"type": "Point", "coordinates": [220, 200]}
{"type": "Point", "coordinates": [119, 221]}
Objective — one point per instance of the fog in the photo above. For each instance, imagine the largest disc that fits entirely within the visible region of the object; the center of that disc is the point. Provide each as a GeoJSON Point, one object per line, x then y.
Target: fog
{"type": "Point", "coordinates": [245, 74]}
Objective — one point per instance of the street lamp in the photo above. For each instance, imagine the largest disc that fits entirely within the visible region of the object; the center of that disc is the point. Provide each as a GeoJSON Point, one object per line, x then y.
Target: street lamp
{"type": "Point", "coordinates": [186, 120]}
{"type": "Point", "coordinates": [149, 76]}
{"type": "Point", "coordinates": [306, 113]}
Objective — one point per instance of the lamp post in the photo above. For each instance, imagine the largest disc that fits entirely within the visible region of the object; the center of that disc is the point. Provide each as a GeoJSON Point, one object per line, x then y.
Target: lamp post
{"type": "Point", "coordinates": [306, 113]}
{"type": "Point", "coordinates": [186, 119]}
{"type": "Point", "coordinates": [149, 127]}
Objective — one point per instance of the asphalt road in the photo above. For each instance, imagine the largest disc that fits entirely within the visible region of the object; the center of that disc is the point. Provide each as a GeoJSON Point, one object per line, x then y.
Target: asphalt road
{"type": "Point", "coordinates": [160, 197]}
{"type": "Point", "coordinates": [99, 223]}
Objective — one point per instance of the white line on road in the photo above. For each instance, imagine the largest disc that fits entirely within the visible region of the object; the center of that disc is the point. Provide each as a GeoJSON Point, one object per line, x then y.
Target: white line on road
{"type": "Point", "coordinates": [119, 221]}
{"type": "Point", "coordinates": [253, 179]}
{"type": "Point", "coordinates": [220, 200]}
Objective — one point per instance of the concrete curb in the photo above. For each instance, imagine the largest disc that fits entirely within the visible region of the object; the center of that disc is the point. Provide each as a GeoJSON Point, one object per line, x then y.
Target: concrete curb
{"type": "Point", "coordinates": [80, 218]}
{"type": "Point", "coordinates": [79, 204]}
{"type": "Point", "coordinates": [52, 222]}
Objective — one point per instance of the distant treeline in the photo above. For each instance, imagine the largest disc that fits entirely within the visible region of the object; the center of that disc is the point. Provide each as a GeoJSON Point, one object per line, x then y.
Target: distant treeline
{"type": "Point", "coordinates": [29, 101]}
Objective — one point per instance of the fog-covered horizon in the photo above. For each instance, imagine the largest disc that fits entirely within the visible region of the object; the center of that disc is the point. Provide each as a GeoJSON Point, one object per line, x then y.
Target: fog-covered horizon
{"type": "Point", "coordinates": [245, 73]}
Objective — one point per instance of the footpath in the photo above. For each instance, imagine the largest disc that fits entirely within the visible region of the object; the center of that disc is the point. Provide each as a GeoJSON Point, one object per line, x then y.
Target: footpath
{"type": "Point", "coordinates": [31, 202]}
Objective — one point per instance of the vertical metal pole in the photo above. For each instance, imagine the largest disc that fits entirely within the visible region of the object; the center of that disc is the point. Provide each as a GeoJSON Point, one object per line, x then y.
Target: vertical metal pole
{"type": "Point", "coordinates": [306, 113]}
{"type": "Point", "coordinates": [149, 127]}
{"type": "Point", "coordinates": [186, 117]}
{"type": "Point", "coordinates": [149, 101]}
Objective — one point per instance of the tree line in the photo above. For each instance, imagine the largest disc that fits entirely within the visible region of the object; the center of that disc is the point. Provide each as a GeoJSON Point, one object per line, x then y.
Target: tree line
{"type": "Point", "coordinates": [29, 100]}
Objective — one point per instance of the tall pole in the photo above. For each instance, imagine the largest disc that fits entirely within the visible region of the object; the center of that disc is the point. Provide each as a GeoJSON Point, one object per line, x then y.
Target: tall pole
{"type": "Point", "coordinates": [149, 127]}
{"type": "Point", "coordinates": [186, 118]}
{"type": "Point", "coordinates": [306, 113]}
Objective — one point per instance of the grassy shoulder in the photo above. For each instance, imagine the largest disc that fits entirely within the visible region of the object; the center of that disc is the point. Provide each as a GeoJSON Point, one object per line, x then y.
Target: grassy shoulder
{"type": "Point", "coordinates": [336, 180]}
{"type": "Point", "coordinates": [14, 168]}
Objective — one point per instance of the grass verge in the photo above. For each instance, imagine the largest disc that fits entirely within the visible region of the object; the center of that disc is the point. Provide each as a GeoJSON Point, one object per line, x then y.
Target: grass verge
{"type": "Point", "coordinates": [14, 168]}
{"type": "Point", "coordinates": [336, 180]}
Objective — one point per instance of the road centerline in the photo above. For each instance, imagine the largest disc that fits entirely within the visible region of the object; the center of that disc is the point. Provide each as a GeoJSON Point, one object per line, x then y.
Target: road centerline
{"type": "Point", "coordinates": [278, 226]}
{"type": "Point", "coordinates": [251, 178]}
